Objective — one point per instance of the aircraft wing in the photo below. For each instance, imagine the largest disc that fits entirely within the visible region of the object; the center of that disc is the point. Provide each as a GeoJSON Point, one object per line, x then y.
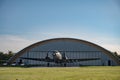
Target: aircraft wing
{"type": "Point", "coordinates": [68, 60]}
{"type": "Point", "coordinates": [82, 59]}
{"type": "Point", "coordinates": [38, 59]}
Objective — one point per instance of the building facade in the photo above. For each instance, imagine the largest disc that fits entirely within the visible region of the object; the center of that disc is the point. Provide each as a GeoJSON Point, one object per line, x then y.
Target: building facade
{"type": "Point", "coordinates": [73, 49]}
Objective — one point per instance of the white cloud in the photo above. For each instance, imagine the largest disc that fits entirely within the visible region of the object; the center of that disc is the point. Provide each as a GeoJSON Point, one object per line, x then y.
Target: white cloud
{"type": "Point", "coordinates": [13, 43]}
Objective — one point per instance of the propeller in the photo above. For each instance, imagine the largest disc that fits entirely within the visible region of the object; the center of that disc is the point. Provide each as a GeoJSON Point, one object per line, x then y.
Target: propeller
{"type": "Point", "coordinates": [47, 57]}
{"type": "Point", "coordinates": [64, 56]}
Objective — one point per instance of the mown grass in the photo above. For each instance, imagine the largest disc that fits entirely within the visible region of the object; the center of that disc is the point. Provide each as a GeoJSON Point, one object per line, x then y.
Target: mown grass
{"type": "Point", "coordinates": [60, 73]}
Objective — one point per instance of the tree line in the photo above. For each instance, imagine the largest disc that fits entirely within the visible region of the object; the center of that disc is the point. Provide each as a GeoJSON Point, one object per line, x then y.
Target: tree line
{"type": "Point", "coordinates": [4, 57]}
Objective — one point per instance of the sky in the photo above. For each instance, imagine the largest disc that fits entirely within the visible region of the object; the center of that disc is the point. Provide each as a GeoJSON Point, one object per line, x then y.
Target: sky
{"type": "Point", "coordinates": [25, 22]}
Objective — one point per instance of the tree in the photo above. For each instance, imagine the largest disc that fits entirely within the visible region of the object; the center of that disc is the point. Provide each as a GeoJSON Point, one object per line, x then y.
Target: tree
{"type": "Point", "coordinates": [116, 53]}
{"type": "Point", "coordinates": [5, 56]}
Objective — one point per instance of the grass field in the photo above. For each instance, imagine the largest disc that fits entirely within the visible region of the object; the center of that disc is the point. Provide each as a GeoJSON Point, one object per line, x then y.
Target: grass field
{"type": "Point", "coordinates": [61, 73]}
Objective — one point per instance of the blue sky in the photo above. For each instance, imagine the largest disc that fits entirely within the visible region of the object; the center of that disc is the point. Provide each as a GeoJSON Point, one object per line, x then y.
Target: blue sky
{"type": "Point", "coordinates": [23, 22]}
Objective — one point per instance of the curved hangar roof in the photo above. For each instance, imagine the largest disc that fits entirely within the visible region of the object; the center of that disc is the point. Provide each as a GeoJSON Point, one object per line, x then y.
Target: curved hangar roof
{"type": "Point", "coordinates": [54, 44]}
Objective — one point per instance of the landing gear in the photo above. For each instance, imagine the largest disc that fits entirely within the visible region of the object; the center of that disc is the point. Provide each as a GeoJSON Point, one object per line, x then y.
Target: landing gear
{"type": "Point", "coordinates": [48, 64]}
{"type": "Point", "coordinates": [64, 64]}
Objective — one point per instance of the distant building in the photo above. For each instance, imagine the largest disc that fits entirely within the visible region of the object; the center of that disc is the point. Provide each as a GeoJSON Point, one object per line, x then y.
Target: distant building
{"type": "Point", "coordinates": [73, 49]}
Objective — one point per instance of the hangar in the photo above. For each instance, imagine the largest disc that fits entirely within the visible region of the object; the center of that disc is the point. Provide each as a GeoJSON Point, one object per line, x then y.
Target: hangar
{"type": "Point", "coordinates": [64, 52]}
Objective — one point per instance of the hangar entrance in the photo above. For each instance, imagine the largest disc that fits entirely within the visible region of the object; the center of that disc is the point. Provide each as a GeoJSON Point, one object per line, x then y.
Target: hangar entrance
{"type": "Point", "coordinates": [109, 63]}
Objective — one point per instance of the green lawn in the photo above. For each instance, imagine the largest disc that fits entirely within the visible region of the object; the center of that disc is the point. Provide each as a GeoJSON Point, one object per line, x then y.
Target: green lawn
{"type": "Point", "coordinates": [60, 73]}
